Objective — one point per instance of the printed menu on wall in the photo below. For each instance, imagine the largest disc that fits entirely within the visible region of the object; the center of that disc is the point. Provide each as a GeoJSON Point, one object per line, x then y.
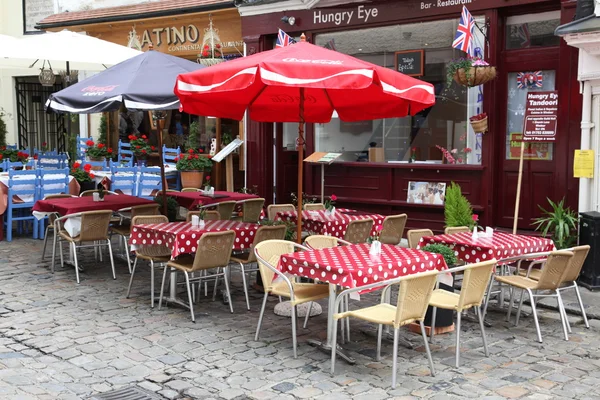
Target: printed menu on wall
{"type": "Point", "coordinates": [34, 12]}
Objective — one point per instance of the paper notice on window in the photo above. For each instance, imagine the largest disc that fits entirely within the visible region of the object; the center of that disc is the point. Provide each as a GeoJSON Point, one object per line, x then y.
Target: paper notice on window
{"type": "Point", "coordinates": [583, 164]}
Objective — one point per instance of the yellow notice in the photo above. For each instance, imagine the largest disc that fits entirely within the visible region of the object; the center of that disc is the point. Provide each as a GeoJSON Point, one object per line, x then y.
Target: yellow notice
{"type": "Point", "coordinates": [583, 164]}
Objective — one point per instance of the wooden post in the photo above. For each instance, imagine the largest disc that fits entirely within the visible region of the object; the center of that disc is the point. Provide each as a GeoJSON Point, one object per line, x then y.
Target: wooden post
{"type": "Point", "coordinates": [300, 166]}
{"type": "Point", "coordinates": [229, 172]}
{"type": "Point", "coordinates": [242, 152]}
{"type": "Point", "coordinates": [160, 124]}
{"type": "Point", "coordinates": [217, 166]}
{"type": "Point", "coordinates": [520, 178]}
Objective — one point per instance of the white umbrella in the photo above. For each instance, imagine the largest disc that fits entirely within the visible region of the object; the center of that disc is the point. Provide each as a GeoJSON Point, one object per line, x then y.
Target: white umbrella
{"type": "Point", "coordinates": [64, 49]}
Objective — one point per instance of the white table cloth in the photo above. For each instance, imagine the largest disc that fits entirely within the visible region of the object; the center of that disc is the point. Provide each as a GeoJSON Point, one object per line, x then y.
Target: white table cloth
{"type": "Point", "coordinates": [29, 198]}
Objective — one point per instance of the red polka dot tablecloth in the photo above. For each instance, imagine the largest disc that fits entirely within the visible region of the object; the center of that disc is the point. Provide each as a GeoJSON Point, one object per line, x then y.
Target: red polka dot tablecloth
{"type": "Point", "coordinates": [353, 266]}
{"type": "Point", "coordinates": [501, 245]}
{"type": "Point", "coordinates": [182, 238]}
{"type": "Point", "coordinates": [322, 223]}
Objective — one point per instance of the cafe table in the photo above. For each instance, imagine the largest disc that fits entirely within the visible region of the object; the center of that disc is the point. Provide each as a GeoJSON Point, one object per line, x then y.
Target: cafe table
{"type": "Point", "coordinates": [182, 238]}
{"type": "Point", "coordinates": [324, 223]}
{"type": "Point", "coordinates": [73, 205]}
{"type": "Point", "coordinates": [191, 200]}
{"type": "Point", "coordinates": [351, 267]}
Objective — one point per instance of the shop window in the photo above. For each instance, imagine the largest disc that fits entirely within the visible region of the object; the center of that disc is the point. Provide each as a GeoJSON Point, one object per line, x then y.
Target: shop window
{"type": "Point", "coordinates": [445, 124]}
{"type": "Point", "coordinates": [532, 30]}
{"type": "Point", "coordinates": [519, 84]}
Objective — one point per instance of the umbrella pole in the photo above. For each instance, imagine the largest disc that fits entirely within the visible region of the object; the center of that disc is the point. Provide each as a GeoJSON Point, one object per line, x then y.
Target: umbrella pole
{"type": "Point", "coordinates": [163, 178]}
{"type": "Point", "coordinates": [300, 166]}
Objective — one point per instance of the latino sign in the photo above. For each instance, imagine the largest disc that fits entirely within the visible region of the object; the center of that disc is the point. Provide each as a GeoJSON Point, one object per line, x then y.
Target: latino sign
{"type": "Point", "coordinates": [541, 116]}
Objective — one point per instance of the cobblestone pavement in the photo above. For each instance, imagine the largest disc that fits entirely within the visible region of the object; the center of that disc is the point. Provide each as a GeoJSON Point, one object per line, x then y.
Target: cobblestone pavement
{"type": "Point", "coordinates": [68, 341]}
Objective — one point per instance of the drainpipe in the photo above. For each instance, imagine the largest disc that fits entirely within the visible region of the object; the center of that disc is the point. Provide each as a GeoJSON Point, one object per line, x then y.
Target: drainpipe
{"type": "Point", "coordinates": [586, 135]}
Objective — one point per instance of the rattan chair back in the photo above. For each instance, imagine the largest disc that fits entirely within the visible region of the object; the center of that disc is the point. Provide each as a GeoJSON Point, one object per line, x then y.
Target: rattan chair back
{"type": "Point", "coordinates": [414, 236]}
{"type": "Point", "coordinates": [251, 210]}
{"type": "Point", "coordinates": [313, 207]}
{"type": "Point", "coordinates": [225, 209]}
{"type": "Point", "coordinates": [456, 229]}
{"type": "Point", "coordinates": [153, 250]}
{"type": "Point", "coordinates": [189, 190]}
{"type": "Point", "coordinates": [270, 251]}
{"type": "Point", "coordinates": [274, 209]}
{"type": "Point", "coordinates": [413, 298]}
{"type": "Point", "coordinates": [53, 216]}
{"type": "Point", "coordinates": [393, 229]}
{"type": "Point", "coordinates": [210, 215]}
{"type": "Point", "coordinates": [214, 250]}
{"type": "Point", "coordinates": [146, 209]}
{"type": "Point", "coordinates": [94, 225]}
{"type": "Point", "coordinates": [318, 242]}
{"type": "Point", "coordinates": [554, 270]}
{"type": "Point", "coordinates": [475, 281]}
{"type": "Point", "coordinates": [275, 232]}
{"type": "Point", "coordinates": [579, 255]}
{"type": "Point", "coordinates": [358, 231]}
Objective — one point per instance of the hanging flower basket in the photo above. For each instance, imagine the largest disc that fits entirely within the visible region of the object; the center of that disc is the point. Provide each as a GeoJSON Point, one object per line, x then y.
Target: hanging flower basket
{"type": "Point", "coordinates": [475, 76]}
{"type": "Point", "coordinates": [479, 123]}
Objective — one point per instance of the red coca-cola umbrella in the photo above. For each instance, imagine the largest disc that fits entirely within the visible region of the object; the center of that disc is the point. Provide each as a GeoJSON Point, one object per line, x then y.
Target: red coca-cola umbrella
{"type": "Point", "coordinates": [301, 83]}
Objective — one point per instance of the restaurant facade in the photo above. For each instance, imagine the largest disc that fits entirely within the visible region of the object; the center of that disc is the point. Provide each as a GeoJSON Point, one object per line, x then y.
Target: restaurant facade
{"type": "Point", "coordinates": [376, 171]}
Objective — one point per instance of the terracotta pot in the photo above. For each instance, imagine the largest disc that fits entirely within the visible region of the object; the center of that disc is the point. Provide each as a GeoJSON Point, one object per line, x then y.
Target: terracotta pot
{"type": "Point", "coordinates": [102, 159]}
{"type": "Point", "coordinates": [192, 179]}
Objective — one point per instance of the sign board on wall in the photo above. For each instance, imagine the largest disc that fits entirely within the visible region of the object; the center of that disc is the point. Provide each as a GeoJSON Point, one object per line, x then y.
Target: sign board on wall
{"type": "Point", "coordinates": [583, 164]}
{"type": "Point", "coordinates": [34, 11]}
{"type": "Point", "coordinates": [532, 150]}
{"type": "Point", "coordinates": [541, 116]}
{"type": "Point", "coordinates": [410, 62]}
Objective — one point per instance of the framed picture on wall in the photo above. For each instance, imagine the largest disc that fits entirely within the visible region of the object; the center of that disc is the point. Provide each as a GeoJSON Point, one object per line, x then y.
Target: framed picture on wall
{"type": "Point", "coordinates": [35, 11]}
{"type": "Point", "coordinates": [426, 193]}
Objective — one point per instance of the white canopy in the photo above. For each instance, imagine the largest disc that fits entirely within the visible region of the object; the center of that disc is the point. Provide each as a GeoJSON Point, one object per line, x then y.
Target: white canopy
{"type": "Point", "coordinates": [82, 52]}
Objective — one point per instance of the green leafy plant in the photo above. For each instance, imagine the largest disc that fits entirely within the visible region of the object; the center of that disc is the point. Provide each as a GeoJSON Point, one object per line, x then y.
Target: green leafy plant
{"type": "Point", "coordinates": [252, 190]}
{"type": "Point", "coordinates": [140, 146]}
{"type": "Point", "coordinates": [193, 140]}
{"type": "Point", "coordinates": [455, 65]}
{"type": "Point", "coordinates": [193, 161]}
{"type": "Point", "coordinates": [3, 127]}
{"type": "Point", "coordinates": [82, 174]}
{"type": "Point", "coordinates": [444, 250]}
{"type": "Point", "coordinates": [172, 206]}
{"type": "Point", "coordinates": [102, 129]}
{"type": "Point", "coordinates": [226, 138]}
{"type": "Point", "coordinates": [560, 221]}
{"type": "Point", "coordinates": [457, 209]}
{"type": "Point", "coordinates": [306, 199]}
{"type": "Point", "coordinates": [98, 150]}
{"type": "Point", "coordinates": [290, 227]}
{"type": "Point", "coordinates": [330, 202]}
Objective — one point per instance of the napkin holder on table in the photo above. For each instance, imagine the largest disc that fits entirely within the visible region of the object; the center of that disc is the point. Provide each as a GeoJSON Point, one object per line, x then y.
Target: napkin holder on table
{"type": "Point", "coordinates": [475, 234]}
{"type": "Point", "coordinates": [197, 222]}
{"type": "Point", "coordinates": [489, 232]}
{"type": "Point", "coordinates": [96, 197]}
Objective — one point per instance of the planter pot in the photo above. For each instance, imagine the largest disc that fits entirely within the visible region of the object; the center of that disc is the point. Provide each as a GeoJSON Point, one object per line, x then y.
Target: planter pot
{"type": "Point", "coordinates": [192, 179]}
{"type": "Point", "coordinates": [477, 75]}
{"type": "Point", "coordinates": [442, 317]}
{"type": "Point", "coordinates": [86, 186]}
{"type": "Point", "coordinates": [101, 159]}
{"type": "Point", "coordinates": [141, 162]}
{"type": "Point", "coordinates": [480, 126]}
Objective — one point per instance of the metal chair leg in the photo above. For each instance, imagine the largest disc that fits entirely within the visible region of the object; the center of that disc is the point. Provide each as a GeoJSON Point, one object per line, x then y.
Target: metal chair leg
{"type": "Point", "coordinates": [433, 316]}
{"type": "Point", "coordinates": [126, 250]}
{"type": "Point", "coordinates": [481, 326]}
{"type": "Point", "coordinates": [245, 286]}
{"type": "Point", "coordinates": [162, 287]}
{"type": "Point", "coordinates": [519, 309]}
{"type": "Point", "coordinates": [427, 350]}
{"type": "Point", "coordinates": [131, 278]}
{"type": "Point", "coordinates": [310, 303]}
{"type": "Point", "coordinates": [189, 292]}
{"type": "Point", "coordinates": [112, 260]}
{"type": "Point", "coordinates": [76, 263]}
{"type": "Point", "coordinates": [458, 316]}
{"type": "Point", "coordinates": [62, 259]}
{"type": "Point", "coordinates": [395, 358]}
{"type": "Point", "coordinates": [535, 316]}
{"type": "Point", "coordinates": [585, 320]}
{"type": "Point", "coordinates": [563, 315]}
{"type": "Point", "coordinates": [215, 288]}
{"type": "Point", "coordinates": [45, 241]}
{"type": "Point", "coordinates": [54, 240]}
{"type": "Point", "coordinates": [348, 319]}
{"type": "Point", "coordinates": [510, 303]}
{"type": "Point", "coordinates": [487, 297]}
{"type": "Point", "coordinates": [260, 317]}
{"type": "Point", "coordinates": [151, 280]}
{"type": "Point", "coordinates": [379, 335]}
{"type": "Point", "coordinates": [333, 345]}
{"type": "Point", "coordinates": [294, 341]}
{"type": "Point", "coordinates": [226, 279]}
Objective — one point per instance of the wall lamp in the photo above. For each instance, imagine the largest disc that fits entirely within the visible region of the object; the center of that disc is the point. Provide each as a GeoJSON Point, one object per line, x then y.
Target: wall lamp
{"type": "Point", "coordinates": [288, 20]}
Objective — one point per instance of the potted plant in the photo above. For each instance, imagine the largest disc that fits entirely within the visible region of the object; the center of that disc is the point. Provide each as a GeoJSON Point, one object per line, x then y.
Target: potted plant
{"type": "Point", "coordinates": [192, 166]}
{"type": "Point", "coordinates": [479, 123]}
{"type": "Point", "coordinates": [140, 148]}
{"type": "Point", "coordinates": [470, 71]}
{"type": "Point", "coordinates": [207, 183]}
{"type": "Point", "coordinates": [97, 151]}
{"type": "Point", "coordinates": [561, 222]}
{"type": "Point", "coordinates": [443, 317]}
{"type": "Point", "coordinates": [193, 140]}
{"type": "Point", "coordinates": [330, 203]}
{"type": "Point", "coordinates": [84, 176]}
{"type": "Point", "coordinates": [457, 209]}
{"type": "Point", "coordinates": [172, 206]}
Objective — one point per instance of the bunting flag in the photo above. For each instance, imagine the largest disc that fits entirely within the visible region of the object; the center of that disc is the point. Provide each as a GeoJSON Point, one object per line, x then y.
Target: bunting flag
{"type": "Point", "coordinates": [464, 33]}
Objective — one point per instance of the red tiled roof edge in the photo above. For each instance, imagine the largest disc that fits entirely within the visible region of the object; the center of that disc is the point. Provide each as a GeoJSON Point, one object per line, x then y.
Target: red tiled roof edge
{"type": "Point", "coordinates": [129, 12]}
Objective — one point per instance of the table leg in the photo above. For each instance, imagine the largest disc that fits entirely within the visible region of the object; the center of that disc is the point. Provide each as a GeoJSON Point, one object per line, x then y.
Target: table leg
{"type": "Point", "coordinates": [326, 346]}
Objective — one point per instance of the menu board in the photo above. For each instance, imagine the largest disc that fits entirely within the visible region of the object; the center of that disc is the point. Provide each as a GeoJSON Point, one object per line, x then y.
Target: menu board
{"type": "Point", "coordinates": [410, 62]}
{"type": "Point", "coordinates": [541, 116]}
{"type": "Point", "coordinates": [34, 11]}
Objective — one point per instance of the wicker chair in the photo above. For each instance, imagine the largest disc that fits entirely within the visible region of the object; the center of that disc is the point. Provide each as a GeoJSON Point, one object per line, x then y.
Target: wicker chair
{"type": "Point", "coordinates": [475, 281]}
{"type": "Point", "coordinates": [214, 250]}
{"type": "Point", "coordinates": [189, 190]}
{"type": "Point", "coordinates": [358, 231]}
{"type": "Point", "coordinates": [268, 253]}
{"type": "Point", "coordinates": [208, 215]}
{"type": "Point", "coordinates": [91, 192]}
{"type": "Point", "coordinates": [456, 229]}
{"type": "Point", "coordinates": [318, 242]}
{"type": "Point", "coordinates": [393, 229]}
{"type": "Point", "coordinates": [551, 277]}
{"type": "Point", "coordinates": [570, 280]}
{"type": "Point", "coordinates": [274, 209]}
{"type": "Point", "coordinates": [276, 232]}
{"type": "Point", "coordinates": [94, 228]}
{"type": "Point", "coordinates": [251, 210]}
{"type": "Point", "coordinates": [124, 229]}
{"type": "Point", "coordinates": [313, 207]}
{"type": "Point", "coordinates": [413, 297]}
{"type": "Point", "coordinates": [225, 209]}
{"type": "Point", "coordinates": [155, 254]}
{"type": "Point", "coordinates": [414, 236]}
{"type": "Point", "coordinates": [50, 226]}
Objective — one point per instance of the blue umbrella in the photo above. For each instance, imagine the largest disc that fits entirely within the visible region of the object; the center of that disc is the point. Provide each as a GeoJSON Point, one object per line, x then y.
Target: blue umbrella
{"type": "Point", "coordinates": [143, 82]}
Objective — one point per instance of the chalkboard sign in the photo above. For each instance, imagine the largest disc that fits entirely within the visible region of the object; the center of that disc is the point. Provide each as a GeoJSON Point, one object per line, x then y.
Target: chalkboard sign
{"type": "Point", "coordinates": [410, 62]}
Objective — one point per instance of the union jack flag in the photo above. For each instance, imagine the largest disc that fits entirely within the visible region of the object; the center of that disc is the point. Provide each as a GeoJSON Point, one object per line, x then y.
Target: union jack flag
{"type": "Point", "coordinates": [530, 80]}
{"type": "Point", "coordinates": [464, 34]}
{"type": "Point", "coordinates": [283, 39]}
{"type": "Point", "coordinates": [523, 33]}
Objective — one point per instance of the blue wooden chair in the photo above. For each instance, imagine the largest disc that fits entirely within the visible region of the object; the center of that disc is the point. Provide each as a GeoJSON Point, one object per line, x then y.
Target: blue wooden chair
{"type": "Point", "coordinates": [124, 180]}
{"type": "Point", "coordinates": [23, 192]}
{"type": "Point", "coordinates": [11, 146]}
{"type": "Point", "coordinates": [101, 164]}
{"type": "Point", "coordinates": [52, 181]}
{"type": "Point", "coordinates": [8, 165]}
{"type": "Point", "coordinates": [81, 147]}
{"type": "Point", "coordinates": [125, 154]}
{"type": "Point", "coordinates": [57, 161]}
{"type": "Point", "coordinates": [169, 156]}
{"type": "Point", "coordinates": [149, 183]}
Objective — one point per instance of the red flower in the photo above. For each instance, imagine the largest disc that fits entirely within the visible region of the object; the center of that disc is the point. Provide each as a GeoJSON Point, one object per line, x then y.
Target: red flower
{"type": "Point", "coordinates": [460, 160]}
{"type": "Point", "coordinates": [92, 175]}
{"type": "Point", "coordinates": [44, 144]}
{"type": "Point", "coordinates": [208, 178]}
{"type": "Point", "coordinates": [109, 151]}
{"type": "Point", "coordinates": [132, 137]}
{"type": "Point", "coordinates": [90, 142]}
{"type": "Point", "coordinates": [333, 197]}
{"type": "Point", "coordinates": [144, 151]}
{"type": "Point", "coordinates": [137, 147]}
{"type": "Point", "coordinates": [153, 148]}
{"type": "Point", "coordinates": [414, 149]}
{"type": "Point", "coordinates": [378, 228]}
{"type": "Point", "coordinates": [191, 151]}
{"type": "Point", "coordinates": [468, 150]}
{"type": "Point", "coordinates": [144, 137]}
{"type": "Point", "coordinates": [190, 157]}
{"type": "Point", "coordinates": [1, 156]}
{"type": "Point", "coordinates": [196, 156]}
{"type": "Point", "coordinates": [100, 145]}
{"type": "Point", "coordinates": [76, 164]}
{"type": "Point", "coordinates": [475, 217]}
{"type": "Point", "coordinates": [205, 53]}
{"type": "Point", "coordinates": [35, 157]}
{"type": "Point", "coordinates": [87, 167]}
{"type": "Point", "coordinates": [200, 151]}
{"type": "Point", "coordinates": [206, 46]}
{"type": "Point", "coordinates": [218, 46]}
